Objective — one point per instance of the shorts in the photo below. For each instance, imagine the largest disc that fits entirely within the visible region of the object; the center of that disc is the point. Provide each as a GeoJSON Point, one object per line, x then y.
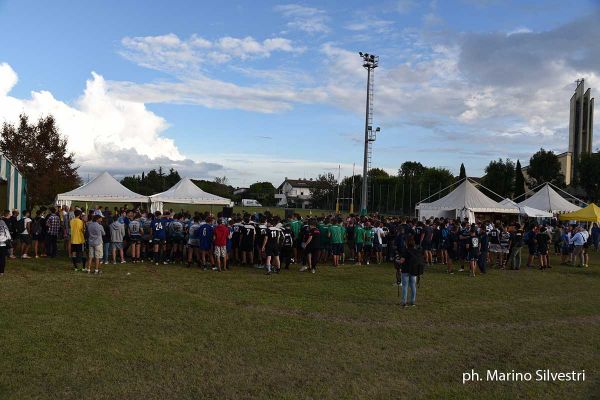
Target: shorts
{"type": "Point", "coordinates": [193, 243]}
{"type": "Point", "coordinates": [472, 255]}
{"type": "Point", "coordinates": [337, 249]}
{"type": "Point", "coordinates": [495, 248]}
{"type": "Point", "coordinates": [246, 246]}
{"type": "Point", "coordinates": [359, 247]}
{"type": "Point", "coordinates": [25, 238]}
{"type": "Point", "coordinates": [272, 251]}
{"type": "Point", "coordinates": [368, 248]}
{"type": "Point", "coordinates": [37, 237]}
{"type": "Point", "coordinates": [158, 241]}
{"type": "Point", "coordinates": [426, 246]}
{"type": "Point", "coordinates": [177, 239]}
{"type": "Point", "coordinates": [205, 245]}
{"type": "Point", "coordinates": [135, 238]}
{"type": "Point", "coordinates": [377, 247]}
{"type": "Point", "coordinates": [220, 251]}
{"type": "Point", "coordinates": [235, 241]}
{"type": "Point", "coordinates": [96, 251]}
{"type": "Point", "coordinates": [532, 250]}
{"type": "Point", "coordinates": [543, 251]}
{"type": "Point", "coordinates": [76, 248]}
{"type": "Point", "coordinates": [577, 250]}
{"type": "Point", "coordinates": [116, 245]}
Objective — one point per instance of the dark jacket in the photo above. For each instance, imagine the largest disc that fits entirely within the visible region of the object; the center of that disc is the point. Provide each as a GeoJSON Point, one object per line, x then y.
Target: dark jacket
{"type": "Point", "coordinates": [413, 262]}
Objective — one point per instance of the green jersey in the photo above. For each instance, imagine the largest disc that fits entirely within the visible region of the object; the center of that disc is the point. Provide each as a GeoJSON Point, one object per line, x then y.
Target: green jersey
{"type": "Point", "coordinates": [369, 234]}
{"type": "Point", "coordinates": [337, 234]}
{"type": "Point", "coordinates": [359, 234]}
{"type": "Point", "coordinates": [324, 230]}
{"type": "Point", "coordinates": [295, 227]}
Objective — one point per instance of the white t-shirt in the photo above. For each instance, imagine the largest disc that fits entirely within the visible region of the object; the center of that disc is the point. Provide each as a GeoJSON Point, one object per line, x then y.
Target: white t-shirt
{"type": "Point", "coordinates": [380, 234]}
{"type": "Point", "coordinates": [27, 221]}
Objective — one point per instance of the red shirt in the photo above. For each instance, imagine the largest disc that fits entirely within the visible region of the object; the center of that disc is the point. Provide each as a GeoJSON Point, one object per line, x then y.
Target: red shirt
{"type": "Point", "coordinates": [221, 235]}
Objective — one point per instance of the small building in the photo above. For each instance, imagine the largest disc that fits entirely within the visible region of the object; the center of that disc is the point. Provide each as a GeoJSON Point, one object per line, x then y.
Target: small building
{"type": "Point", "coordinates": [240, 190]}
{"type": "Point", "coordinates": [295, 192]}
{"type": "Point", "coordinates": [13, 186]}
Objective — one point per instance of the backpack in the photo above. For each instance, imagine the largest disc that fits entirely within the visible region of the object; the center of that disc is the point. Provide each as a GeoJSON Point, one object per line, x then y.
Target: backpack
{"type": "Point", "coordinates": [287, 239]}
{"type": "Point", "coordinates": [36, 227]}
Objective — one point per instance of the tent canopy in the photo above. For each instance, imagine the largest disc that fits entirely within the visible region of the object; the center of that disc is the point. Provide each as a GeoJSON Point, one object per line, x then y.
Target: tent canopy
{"type": "Point", "coordinates": [467, 196]}
{"type": "Point", "coordinates": [186, 192]}
{"type": "Point", "coordinates": [465, 200]}
{"type": "Point", "coordinates": [526, 210]}
{"type": "Point", "coordinates": [102, 189]}
{"type": "Point", "coordinates": [591, 213]}
{"type": "Point", "coordinates": [548, 199]}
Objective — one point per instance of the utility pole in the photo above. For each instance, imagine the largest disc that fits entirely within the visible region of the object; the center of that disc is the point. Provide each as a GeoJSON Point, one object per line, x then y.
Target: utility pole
{"type": "Point", "coordinates": [370, 62]}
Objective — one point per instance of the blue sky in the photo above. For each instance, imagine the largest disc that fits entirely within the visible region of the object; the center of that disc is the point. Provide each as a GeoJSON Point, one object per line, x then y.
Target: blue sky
{"type": "Point", "coordinates": [262, 90]}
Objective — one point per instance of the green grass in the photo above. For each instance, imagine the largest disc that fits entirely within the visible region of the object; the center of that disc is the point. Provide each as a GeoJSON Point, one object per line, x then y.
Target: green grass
{"type": "Point", "coordinates": [169, 332]}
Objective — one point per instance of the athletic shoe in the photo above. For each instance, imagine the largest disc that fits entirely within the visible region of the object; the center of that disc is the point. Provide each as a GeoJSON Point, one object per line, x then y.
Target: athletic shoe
{"type": "Point", "coordinates": [25, 256]}
{"type": "Point", "coordinates": [314, 271]}
{"type": "Point", "coordinates": [215, 268]}
{"type": "Point", "coordinates": [461, 270]}
{"type": "Point", "coordinates": [165, 263]}
{"type": "Point", "coordinates": [12, 257]}
{"type": "Point", "coordinates": [367, 263]}
{"type": "Point", "coordinates": [156, 264]}
{"type": "Point", "coordinates": [123, 261]}
{"type": "Point", "coordinates": [404, 305]}
{"type": "Point", "coordinates": [303, 268]}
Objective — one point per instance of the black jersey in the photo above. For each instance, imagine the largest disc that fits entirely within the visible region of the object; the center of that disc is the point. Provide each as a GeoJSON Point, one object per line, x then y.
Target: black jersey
{"type": "Point", "coordinates": [274, 236]}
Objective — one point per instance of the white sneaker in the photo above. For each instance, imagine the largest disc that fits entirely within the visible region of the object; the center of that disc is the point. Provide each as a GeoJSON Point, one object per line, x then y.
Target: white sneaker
{"type": "Point", "coordinates": [367, 263]}
{"type": "Point", "coordinates": [314, 271]}
{"type": "Point", "coordinates": [303, 268]}
{"type": "Point", "coordinates": [123, 262]}
{"type": "Point", "coordinates": [25, 256]}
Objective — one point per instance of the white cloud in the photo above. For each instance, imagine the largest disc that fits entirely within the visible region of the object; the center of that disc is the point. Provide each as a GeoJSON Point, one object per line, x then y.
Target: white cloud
{"type": "Point", "coordinates": [308, 19]}
{"type": "Point", "coordinates": [104, 131]}
{"type": "Point", "coordinates": [170, 53]}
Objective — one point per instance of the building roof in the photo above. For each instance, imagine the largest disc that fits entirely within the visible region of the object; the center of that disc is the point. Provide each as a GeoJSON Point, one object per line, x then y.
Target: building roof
{"type": "Point", "coordinates": [299, 183]}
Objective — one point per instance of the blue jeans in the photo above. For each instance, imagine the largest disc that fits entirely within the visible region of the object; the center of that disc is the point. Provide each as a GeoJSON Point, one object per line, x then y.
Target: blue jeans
{"type": "Point", "coordinates": [106, 250]}
{"type": "Point", "coordinates": [406, 280]}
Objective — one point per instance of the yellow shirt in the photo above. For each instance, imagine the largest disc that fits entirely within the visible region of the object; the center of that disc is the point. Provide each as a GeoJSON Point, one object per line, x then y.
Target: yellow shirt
{"type": "Point", "coordinates": [77, 229]}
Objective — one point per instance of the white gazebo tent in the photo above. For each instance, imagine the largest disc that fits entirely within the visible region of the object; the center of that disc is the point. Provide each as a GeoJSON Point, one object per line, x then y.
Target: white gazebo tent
{"type": "Point", "coordinates": [185, 192]}
{"type": "Point", "coordinates": [526, 210]}
{"type": "Point", "coordinates": [548, 199]}
{"type": "Point", "coordinates": [102, 189]}
{"type": "Point", "coordinates": [463, 202]}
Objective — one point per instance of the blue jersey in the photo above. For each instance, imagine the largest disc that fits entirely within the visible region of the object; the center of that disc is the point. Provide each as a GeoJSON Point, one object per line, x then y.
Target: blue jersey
{"type": "Point", "coordinates": [205, 236]}
{"type": "Point", "coordinates": [158, 229]}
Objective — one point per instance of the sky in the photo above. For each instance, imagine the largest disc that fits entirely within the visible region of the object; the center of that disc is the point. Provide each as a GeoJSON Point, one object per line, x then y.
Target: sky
{"type": "Point", "coordinates": [265, 90]}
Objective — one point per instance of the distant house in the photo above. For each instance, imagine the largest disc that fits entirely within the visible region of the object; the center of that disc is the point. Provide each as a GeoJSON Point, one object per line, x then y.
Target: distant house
{"type": "Point", "coordinates": [295, 192]}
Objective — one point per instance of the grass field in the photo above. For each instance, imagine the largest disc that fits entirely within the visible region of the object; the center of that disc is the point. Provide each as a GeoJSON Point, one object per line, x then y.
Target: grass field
{"type": "Point", "coordinates": [146, 332]}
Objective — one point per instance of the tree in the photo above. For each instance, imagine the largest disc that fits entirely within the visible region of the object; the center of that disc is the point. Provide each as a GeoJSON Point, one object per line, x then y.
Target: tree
{"type": "Point", "coordinates": [463, 172]}
{"type": "Point", "coordinates": [264, 192]}
{"type": "Point", "coordinates": [545, 167]}
{"type": "Point", "coordinates": [377, 173]}
{"type": "Point", "coordinates": [499, 177]}
{"type": "Point", "coordinates": [519, 181]}
{"type": "Point", "coordinates": [39, 152]}
{"type": "Point", "coordinates": [588, 175]}
{"type": "Point", "coordinates": [323, 194]}
{"type": "Point", "coordinates": [153, 182]}
{"type": "Point", "coordinates": [222, 180]}
{"type": "Point", "coordinates": [410, 170]}
{"type": "Point", "coordinates": [215, 188]}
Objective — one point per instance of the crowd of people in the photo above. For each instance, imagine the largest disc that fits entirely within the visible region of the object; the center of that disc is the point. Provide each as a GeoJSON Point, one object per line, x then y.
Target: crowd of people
{"type": "Point", "coordinates": [101, 236]}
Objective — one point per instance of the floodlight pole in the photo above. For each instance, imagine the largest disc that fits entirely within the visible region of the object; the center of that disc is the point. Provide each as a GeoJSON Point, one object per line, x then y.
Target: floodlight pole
{"type": "Point", "coordinates": [370, 62]}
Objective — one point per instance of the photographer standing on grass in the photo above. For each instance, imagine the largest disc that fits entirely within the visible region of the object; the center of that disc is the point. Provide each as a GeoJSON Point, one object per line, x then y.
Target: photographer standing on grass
{"type": "Point", "coordinates": [411, 265]}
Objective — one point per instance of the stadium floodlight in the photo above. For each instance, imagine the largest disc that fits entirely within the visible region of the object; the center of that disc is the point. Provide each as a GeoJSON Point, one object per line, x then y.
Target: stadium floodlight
{"type": "Point", "coordinates": [370, 62]}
